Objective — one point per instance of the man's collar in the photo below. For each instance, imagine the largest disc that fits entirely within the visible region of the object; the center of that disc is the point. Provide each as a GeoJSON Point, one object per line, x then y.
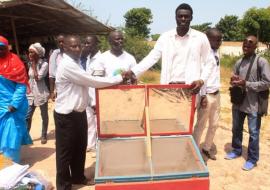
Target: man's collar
{"type": "Point", "coordinates": [66, 56]}
{"type": "Point", "coordinates": [187, 34]}
{"type": "Point", "coordinates": [95, 56]}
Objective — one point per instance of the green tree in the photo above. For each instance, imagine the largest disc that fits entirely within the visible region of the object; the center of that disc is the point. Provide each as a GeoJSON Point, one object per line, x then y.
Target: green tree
{"type": "Point", "coordinates": [231, 28]}
{"type": "Point", "coordinates": [257, 22]}
{"type": "Point", "coordinates": [137, 21]}
{"type": "Point", "coordinates": [155, 37]}
{"type": "Point", "coordinates": [202, 27]}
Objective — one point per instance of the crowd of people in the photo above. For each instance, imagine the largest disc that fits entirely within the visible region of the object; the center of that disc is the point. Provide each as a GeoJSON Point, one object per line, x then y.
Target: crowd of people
{"type": "Point", "coordinates": [75, 69]}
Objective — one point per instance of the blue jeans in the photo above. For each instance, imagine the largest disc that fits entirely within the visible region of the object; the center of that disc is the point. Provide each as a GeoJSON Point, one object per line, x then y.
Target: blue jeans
{"type": "Point", "coordinates": [44, 116]}
{"type": "Point", "coordinates": [254, 125]}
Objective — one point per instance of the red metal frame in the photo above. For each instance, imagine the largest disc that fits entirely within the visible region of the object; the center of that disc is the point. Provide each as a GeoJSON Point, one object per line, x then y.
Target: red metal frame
{"type": "Point", "coordinates": [147, 87]}
{"type": "Point", "coordinates": [201, 183]}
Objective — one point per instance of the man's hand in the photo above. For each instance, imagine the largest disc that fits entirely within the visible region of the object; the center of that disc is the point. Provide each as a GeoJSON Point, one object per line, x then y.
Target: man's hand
{"type": "Point", "coordinates": [196, 86]}
{"type": "Point", "coordinates": [52, 96]}
{"type": "Point", "coordinates": [203, 102]}
{"type": "Point", "coordinates": [240, 82]}
{"type": "Point", "coordinates": [234, 78]}
{"type": "Point", "coordinates": [94, 109]}
{"type": "Point", "coordinates": [129, 77]}
{"type": "Point", "coordinates": [11, 109]}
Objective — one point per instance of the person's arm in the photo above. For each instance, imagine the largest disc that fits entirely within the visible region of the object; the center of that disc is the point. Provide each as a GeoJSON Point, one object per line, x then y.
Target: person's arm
{"type": "Point", "coordinates": [207, 65]}
{"type": "Point", "coordinates": [208, 61]}
{"type": "Point", "coordinates": [264, 83]}
{"type": "Point", "coordinates": [52, 64]}
{"type": "Point", "coordinates": [52, 70]}
{"type": "Point", "coordinates": [18, 97]}
{"type": "Point", "coordinates": [80, 77]}
{"type": "Point", "coordinates": [42, 72]}
{"type": "Point", "coordinates": [151, 59]}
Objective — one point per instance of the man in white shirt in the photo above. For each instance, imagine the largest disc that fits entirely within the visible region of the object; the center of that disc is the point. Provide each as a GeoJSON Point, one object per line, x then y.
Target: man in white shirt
{"type": "Point", "coordinates": [54, 60]}
{"type": "Point", "coordinates": [185, 52]}
{"type": "Point", "coordinates": [72, 84]}
{"type": "Point", "coordinates": [116, 60]}
{"type": "Point", "coordinates": [91, 52]}
{"type": "Point", "coordinates": [209, 107]}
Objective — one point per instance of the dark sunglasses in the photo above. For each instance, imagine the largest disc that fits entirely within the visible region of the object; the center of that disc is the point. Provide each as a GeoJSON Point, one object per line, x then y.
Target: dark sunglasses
{"type": "Point", "coordinates": [248, 41]}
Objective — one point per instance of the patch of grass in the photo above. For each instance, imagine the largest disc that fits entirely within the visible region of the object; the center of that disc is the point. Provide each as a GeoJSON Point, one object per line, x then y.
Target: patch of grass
{"type": "Point", "coordinates": [150, 77]}
{"type": "Point", "coordinates": [228, 60]}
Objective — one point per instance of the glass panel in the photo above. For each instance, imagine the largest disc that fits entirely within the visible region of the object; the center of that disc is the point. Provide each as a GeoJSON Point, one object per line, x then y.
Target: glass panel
{"type": "Point", "coordinates": [121, 111]}
{"type": "Point", "coordinates": [169, 110]}
{"type": "Point", "coordinates": [174, 155]}
{"type": "Point", "coordinates": [123, 158]}
{"type": "Point", "coordinates": [128, 157]}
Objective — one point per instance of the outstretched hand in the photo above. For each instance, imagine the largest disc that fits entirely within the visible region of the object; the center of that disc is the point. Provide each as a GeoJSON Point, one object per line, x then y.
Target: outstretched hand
{"type": "Point", "coordinates": [129, 77]}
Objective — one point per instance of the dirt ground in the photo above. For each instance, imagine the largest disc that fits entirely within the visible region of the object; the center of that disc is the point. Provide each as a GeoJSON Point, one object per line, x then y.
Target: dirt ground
{"type": "Point", "coordinates": [224, 174]}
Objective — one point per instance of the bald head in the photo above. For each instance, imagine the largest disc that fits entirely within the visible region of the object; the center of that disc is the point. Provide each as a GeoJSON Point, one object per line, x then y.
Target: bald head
{"type": "Point", "coordinates": [250, 45]}
{"type": "Point", "coordinates": [116, 41]}
{"type": "Point", "coordinates": [72, 47]}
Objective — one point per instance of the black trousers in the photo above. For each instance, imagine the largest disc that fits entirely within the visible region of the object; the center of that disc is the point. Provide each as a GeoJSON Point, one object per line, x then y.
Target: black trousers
{"type": "Point", "coordinates": [71, 143]}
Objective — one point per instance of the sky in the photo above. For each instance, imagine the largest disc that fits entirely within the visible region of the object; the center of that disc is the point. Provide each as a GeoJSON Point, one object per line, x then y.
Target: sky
{"type": "Point", "coordinates": [112, 11]}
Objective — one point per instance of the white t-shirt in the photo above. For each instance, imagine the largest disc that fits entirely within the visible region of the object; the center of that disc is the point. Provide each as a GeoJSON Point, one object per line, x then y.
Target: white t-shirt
{"type": "Point", "coordinates": [113, 65]}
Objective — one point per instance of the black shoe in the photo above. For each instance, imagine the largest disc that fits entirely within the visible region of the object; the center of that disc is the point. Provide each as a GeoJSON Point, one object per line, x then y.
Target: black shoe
{"type": "Point", "coordinates": [43, 140]}
{"type": "Point", "coordinates": [85, 181]}
{"type": "Point", "coordinates": [208, 155]}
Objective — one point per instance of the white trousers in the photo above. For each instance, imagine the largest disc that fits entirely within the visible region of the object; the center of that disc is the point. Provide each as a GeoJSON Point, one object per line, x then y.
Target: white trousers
{"type": "Point", "coordinates": [92, 128]}
{"type": "Point", "coordinates": [210, 114]}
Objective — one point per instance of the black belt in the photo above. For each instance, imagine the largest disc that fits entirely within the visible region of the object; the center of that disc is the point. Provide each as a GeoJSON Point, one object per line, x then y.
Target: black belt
{"type": "Point", "coordinates": [214, 93]}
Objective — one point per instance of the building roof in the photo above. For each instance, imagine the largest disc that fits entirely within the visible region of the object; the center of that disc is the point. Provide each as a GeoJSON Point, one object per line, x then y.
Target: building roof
{"type": "Point", "coordinates": [36, 18]}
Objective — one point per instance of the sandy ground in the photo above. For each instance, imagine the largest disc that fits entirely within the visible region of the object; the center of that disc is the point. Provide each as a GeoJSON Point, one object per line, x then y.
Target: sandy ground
{"type": "Point", "coordinates": [224, 175]}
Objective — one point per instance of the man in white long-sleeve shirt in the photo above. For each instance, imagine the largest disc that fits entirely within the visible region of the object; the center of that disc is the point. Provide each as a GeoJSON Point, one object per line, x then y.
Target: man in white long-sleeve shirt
{"type": "Point", "coordinates": [209, 107]}
{"type": "Point", "coordinates": [185, 52]}
{"type": "Point", "coordinates": [72, 84]}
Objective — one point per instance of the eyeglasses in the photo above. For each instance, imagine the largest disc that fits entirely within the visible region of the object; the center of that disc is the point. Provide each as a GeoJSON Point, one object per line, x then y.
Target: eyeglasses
{"type": "Point", "coordinates": [248, 41]}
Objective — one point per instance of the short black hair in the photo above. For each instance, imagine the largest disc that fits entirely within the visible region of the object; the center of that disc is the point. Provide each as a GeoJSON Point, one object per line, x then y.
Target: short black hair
{"type": "Point", "coordinates": [210, 31]}
{"type": "Point", "coordinates": [95, 38]}
{"type": "Point", "coordinates": [184, 6]}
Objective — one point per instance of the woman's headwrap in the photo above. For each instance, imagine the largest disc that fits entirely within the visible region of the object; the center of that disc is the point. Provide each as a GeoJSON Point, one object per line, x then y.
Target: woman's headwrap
{"type": "Point", "coordinates": [3, 41]}
{"type": "Point", "coordinates": [37, 47]}
{"type": "Point", "coordinates": [11, 67]}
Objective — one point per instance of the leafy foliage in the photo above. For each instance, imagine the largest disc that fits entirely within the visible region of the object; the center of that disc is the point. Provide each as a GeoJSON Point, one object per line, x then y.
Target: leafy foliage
{"type": "Point", "coordinates": [228, 60]}
{"type": "Point", "coordinates": [231, 28]}
{"type": "Point", "coordinates": [202, 27]}
{"type": "Point", "coordinates": [257, 22]}
{"type": "Point", "coordinates": [137, 21]}
{"type": "Point", "coordinates": [266, 55]}
{"type": "Point", "coordinates": [137, 46]}
{"type": "Point", "coordinates": [155, 37]}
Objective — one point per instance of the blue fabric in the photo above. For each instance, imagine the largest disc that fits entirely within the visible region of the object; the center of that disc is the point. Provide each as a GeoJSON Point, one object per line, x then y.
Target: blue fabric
{"type": "Point", "coordinates": [254, 125]}
{"type": "Point", "coordinates": [83, 62]}
{"type": "Point", "coordinates": [13, 132]}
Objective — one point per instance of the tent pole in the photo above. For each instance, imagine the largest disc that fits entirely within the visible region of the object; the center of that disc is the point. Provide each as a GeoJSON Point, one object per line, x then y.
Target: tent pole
{"type": "Point", "coordinates": [15, 36]}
